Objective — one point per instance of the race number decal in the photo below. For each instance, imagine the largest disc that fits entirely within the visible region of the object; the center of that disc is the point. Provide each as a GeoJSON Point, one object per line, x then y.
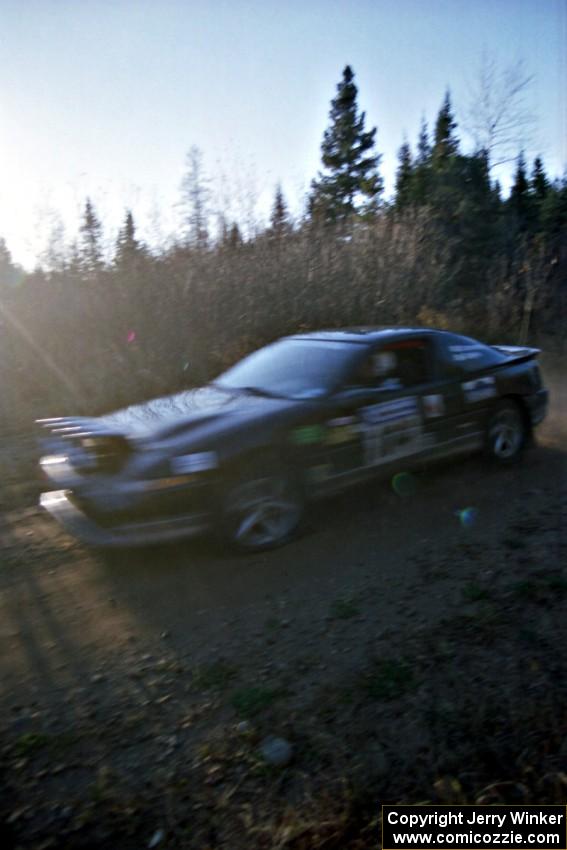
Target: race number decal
{"type": "Point", "coordinates": [391, 430]}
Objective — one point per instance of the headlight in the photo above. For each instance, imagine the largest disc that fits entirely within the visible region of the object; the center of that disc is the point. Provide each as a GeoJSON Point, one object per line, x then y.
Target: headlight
{"type": "Point", "coordinates": [53, 460]}
{"type": "Point", "coordinates": [104, 453]}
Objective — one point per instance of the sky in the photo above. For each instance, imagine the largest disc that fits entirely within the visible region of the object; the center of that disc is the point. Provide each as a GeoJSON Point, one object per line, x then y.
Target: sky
{"type": "Point", "coordinates": [104, 98]}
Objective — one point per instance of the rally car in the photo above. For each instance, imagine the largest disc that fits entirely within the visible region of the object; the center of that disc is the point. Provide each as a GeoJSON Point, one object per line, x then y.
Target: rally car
{"type": "Point", "coordinates": [296, 420]}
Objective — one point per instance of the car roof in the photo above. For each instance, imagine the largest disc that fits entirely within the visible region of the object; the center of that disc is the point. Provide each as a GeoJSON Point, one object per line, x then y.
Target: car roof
{"type": "Point", "coordinates": [363, 335]}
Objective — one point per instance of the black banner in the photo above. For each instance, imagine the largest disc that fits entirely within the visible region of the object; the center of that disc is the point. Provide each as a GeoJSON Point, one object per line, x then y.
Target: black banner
{"type": "Point", "coordinates": [479, 827]}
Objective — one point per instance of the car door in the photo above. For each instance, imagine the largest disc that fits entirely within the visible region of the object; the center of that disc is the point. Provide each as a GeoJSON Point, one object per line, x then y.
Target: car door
{"type": "Point", "coordinates": [388, 411]}
{"type": "Point", "coordinates": [468, 389]}
{"type": "Point", "coordinates": [404, 422]}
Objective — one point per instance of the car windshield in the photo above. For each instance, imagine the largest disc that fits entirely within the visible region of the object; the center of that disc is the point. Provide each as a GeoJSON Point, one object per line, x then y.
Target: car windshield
{"type": "Point", "coordinates": [292, 368]}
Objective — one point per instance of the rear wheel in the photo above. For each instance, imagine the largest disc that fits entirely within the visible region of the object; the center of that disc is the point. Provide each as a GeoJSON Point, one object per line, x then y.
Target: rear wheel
{"type": "Point", "coordinates": [262, 508]}
{"type": "Point", "coordinates": [507, 433]}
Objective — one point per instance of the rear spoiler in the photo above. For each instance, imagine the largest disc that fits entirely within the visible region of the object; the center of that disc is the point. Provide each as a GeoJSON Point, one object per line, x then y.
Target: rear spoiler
{"type": "Point", "coordinates": [517, 353]}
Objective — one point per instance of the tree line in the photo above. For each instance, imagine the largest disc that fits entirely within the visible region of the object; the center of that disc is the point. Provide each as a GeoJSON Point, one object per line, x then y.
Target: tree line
{"type": "Point", "coordinates": [82, 333]}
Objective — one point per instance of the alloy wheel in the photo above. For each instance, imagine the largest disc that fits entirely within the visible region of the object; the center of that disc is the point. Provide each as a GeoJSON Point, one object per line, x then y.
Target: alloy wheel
{"type": "Point", "coordinates": [506, 434]}
{"type": "Point", "coordinates": [262, 513]}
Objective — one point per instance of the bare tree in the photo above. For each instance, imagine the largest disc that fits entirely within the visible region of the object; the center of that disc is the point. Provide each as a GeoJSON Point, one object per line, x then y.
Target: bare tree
{"type": "Point", "coordinates": [499, 117]}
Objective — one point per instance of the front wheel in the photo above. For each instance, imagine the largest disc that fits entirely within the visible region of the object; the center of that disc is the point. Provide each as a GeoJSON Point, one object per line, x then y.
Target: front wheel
{"type": "Point", "coordinates": [262, 509]}
{"type": "Point", "coordinates": [507, 433]}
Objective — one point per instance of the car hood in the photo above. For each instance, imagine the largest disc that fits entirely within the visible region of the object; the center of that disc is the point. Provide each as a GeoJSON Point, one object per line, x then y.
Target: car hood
{"type": "Point", "coordinates": [164, 417]}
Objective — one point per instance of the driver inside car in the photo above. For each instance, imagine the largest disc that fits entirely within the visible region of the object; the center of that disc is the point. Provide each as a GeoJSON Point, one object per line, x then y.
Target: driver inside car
{"type": "Point", "coordinates": [379, 372]}
{"type": "Point", "coordinates": [385, 367]}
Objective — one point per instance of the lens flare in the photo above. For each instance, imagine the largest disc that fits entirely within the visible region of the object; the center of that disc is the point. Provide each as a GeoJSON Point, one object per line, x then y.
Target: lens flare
{"type": "Point", "coordinates": [403, 484]}
{"type": "Point", "coordinates": [468, 517]}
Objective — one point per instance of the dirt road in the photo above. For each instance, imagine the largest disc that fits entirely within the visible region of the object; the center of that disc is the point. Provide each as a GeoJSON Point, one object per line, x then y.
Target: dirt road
{"type": "Point", "coordinates": [184, 641]}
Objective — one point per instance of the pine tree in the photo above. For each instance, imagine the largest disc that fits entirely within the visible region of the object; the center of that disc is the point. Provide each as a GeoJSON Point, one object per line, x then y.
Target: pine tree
{"type": "Point", "coordinates": [404, 176]}
{"type": "Point", "coordinates": [462, 202]}
{"type": "Point", "coordinates": [477, 212]}
{"type": "Point", "coordinates": [539, 184]}
{"type": "Point", "coordinates": [445, 144]}
{"type": "Point", "coordinates": [228, 235]}
{"type": "Point", "coordinates": [54, 257]}
{"type": "Point", "coordinates": [128, 247]}
{"type": "Point", "coordinates": [554, 210]}
{"type": "Point", "coordinates": [447, 171]}
{"type": "Point", "coordinates": [422, 170]}
{"type": "Point", "coordinates": [10, 273]}
{"type": "Point", "coordinates": [195, 201]}
{"type": "Point", "coordinates": [279, 219]}
{"type": "Point", "coordinates": [423, 145]}
{"type": "Point", "coordinates": [350, 182]}
{"type": "Point", "coordinates": [519, 202]}
{"type": "Point", "coordinates": [539, 187]}
{"type": "Point", "coordinates": [234, 236]}
{"type": "Point", "coordinates": [133, 286]}
{"type": "Point", "coordinates": [90, 249]}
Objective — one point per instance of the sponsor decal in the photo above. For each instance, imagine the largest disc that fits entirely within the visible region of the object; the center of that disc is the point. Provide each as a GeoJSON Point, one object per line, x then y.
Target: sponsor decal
{"type": "Point", "coordinates": [197, 462]}
{"type": "Point", "coordinates": [338, 436]}
{"type": "Point", "coordinates": [391, 430]}
{"type": "Point", "coordinates": [390, 410]}
{"type": "Point", "coordinates": [307, 435]}
{"type": "Point", "coordinates": [341, 430]}
{"type": "Point", "coordinates": [433, 405]}
{"type": "Point", "coordinates": [341, 420]}
{"type": "Point", "coordinates": [459, 353]}
{"type": "Point", "coordinates": [479, 389]}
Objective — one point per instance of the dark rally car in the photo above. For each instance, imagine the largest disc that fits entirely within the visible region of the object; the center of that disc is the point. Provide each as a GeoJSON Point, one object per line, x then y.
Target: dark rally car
{"type": "Point", "coordinates": [301, 418]}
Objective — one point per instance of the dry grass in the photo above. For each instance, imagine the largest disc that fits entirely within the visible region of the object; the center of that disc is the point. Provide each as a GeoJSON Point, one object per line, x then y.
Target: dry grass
{"type": "Point", "coordinates": [172, 321]}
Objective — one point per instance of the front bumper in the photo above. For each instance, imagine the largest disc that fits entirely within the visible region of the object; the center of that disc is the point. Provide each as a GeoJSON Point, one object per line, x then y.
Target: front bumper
{"type": "Point", "coordinates": [60, 505]}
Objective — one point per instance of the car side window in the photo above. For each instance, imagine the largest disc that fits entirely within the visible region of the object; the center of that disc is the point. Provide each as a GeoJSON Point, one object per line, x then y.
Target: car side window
{"type": "Point", "coordinates": [447, 365]}
{"type": "Point", "coordinates": [398, 365]}
{"type": "Point", "coordinates": [402, 364]}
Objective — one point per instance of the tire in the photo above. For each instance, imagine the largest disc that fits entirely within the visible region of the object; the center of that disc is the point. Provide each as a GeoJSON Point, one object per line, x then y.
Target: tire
{"type": "Point", "coordinates": [262, 508]}
{"type": "Point", "coordinates": [507, 433]}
